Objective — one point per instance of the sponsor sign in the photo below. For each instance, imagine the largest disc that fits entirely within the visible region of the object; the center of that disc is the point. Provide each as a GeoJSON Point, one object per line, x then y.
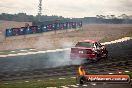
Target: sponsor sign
{"type": "Point", "coordinates": [108, 78]}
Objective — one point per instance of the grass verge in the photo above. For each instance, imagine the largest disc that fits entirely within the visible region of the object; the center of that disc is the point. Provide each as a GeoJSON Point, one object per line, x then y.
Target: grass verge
{"type": "Point", "coordinates": [108, 39]}
{"type": "Point", "coordinates": [39, 83]}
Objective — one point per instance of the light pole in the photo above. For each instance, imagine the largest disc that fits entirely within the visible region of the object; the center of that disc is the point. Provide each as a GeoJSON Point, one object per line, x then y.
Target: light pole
{"type": "Point", "coordinates": [40, 10]}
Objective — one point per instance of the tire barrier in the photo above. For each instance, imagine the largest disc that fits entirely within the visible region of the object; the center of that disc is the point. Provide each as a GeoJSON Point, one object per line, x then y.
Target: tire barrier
{"type": "Point", "coordinates": [42, 28]}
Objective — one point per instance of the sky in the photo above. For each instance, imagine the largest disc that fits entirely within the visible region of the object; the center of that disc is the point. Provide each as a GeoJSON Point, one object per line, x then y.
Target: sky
{"type": "Point", "coordinates": [68, 8]}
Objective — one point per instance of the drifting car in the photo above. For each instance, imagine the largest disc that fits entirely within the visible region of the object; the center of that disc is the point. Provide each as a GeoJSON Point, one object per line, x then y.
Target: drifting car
{"type": "Point", "coordinates": [88, 50]}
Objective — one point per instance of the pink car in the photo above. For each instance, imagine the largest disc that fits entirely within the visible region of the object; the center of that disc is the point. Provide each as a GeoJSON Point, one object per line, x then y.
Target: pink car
{"type": "Point", "coordinates": [88, 50]}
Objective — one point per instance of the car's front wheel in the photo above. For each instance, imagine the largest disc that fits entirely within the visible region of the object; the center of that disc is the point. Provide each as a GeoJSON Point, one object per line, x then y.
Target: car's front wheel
{"type": "Point", "coordinates": [106, 55]}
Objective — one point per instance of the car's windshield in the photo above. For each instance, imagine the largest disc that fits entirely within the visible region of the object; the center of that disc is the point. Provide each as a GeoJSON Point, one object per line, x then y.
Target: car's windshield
{"type": "Point", "coordinates": [84, 44]}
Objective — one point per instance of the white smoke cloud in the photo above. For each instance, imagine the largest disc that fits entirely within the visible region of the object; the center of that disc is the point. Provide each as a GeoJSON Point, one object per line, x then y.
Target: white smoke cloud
{"type": "Point", "coordinates": [56, 59]}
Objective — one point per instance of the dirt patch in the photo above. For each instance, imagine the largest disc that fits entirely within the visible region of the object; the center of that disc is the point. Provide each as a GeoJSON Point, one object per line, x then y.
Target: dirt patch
{"type": "Point", "coordinates": [65, 39]}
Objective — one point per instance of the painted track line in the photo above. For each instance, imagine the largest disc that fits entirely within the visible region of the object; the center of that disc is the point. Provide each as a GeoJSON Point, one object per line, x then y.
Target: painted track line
{"type": "Point", "coordinates": [59, 50]}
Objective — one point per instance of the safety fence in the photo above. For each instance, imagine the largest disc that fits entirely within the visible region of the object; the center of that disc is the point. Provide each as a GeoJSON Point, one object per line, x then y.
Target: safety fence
{"type": "Point", "coordinates": [42, 28]}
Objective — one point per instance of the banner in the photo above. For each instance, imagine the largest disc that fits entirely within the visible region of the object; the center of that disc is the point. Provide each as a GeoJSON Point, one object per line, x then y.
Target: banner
{"type": "Point", "coordinates": [42, 28]}
{"type": "Point", "coordinates": [61, 25]}
{"type": "Point", "coordinates": [49, 26]}
{"type": "Point", "coordinates": [22, 31]}
{"type": "Point", "coordinates": [8, 32]}
{"type": "Point", "coordinates": [28, 30]}
{"type": "Point", "coordinates": [15, 31]}
{"type": "Point", "coordinates": [34, 29]}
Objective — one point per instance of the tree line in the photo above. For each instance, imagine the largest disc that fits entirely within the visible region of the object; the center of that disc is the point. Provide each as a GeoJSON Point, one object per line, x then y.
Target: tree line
{"type": "Point", "coordinates": [23, 17]}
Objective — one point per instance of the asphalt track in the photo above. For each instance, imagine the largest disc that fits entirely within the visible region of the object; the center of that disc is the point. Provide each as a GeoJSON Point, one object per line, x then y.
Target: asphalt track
{"type": "Point", "coordinates": [56, 64]}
